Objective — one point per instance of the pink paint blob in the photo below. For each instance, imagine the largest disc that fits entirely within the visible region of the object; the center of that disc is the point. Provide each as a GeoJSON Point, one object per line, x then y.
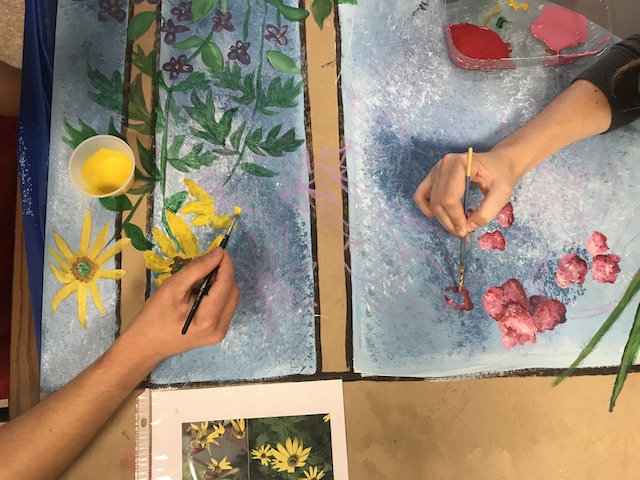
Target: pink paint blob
{"type": "Point", "coordinates": [517, 326]}
{"type": "Point", "coordinates": [478, 42]}
{"type": "Point", "coordinates": [605, 268]}
{"type": "Point", "coordinates": [467, 304]}
{"type": "Point", "coordinates": [560, 28]}
{"type": "Point", "coordinates": [546, 313]}
{"type": "Point", "coordinates": [505, 216]}
{"type": "Point", "coordinates": [571, 269]}
{"type": "Point", "coordinates": [496, 299]}
{"type": "Point", "coordinates": [597, 244]}
{"type": "Point", "coordinates": [492, 241]}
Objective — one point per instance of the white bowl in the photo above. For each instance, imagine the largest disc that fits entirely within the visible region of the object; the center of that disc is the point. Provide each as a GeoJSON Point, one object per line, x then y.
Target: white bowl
{"type": "Point", "coordinates": [86, 149]}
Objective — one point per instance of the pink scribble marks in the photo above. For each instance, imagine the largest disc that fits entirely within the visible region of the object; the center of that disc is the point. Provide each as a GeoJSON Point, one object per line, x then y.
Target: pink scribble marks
{"type": "Point", "coordinates": [605, 268]}
{"type": "Point", "coordinates": [492, 241]}
{"type": "Point", "coordinates": [597, 244]}
{"type": "Point", "coordinates": [520, 318]}
{"type": "Point", "coordinates": [505, 216]}
{"type": "Point", "coordinates": [571, 269]}
{"type": "Point", "coordinates": [467, 303]}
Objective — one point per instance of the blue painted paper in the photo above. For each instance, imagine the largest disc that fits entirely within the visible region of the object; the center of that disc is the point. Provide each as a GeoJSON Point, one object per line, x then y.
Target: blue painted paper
{"type": "Point", "coordinates": [405, 106]}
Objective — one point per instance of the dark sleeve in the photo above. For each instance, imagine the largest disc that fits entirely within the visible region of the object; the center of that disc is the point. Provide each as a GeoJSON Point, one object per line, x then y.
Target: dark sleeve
{"type": "Point", "coordinates": [623, 92]}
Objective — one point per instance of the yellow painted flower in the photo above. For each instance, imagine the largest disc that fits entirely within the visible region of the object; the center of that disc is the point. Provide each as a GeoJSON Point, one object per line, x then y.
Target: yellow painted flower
{"type": "Point", "coordinates": [313, 474]}
{"type": "Point", "coordinates": [204, 208]}
{"type": "Point", "coordinates": [326, 418]}
{"type": "Point", "coordinates": [263, 453]}
{"type": "Point", "coordinates": [289, 457]}
{"type": "Point", "coordinates": [174, 260]}
{"type": "Point", "coordinates": [204, 438]}
{"type": "Point", "coordinates": [219, 467]}
{"type": "Point", "coordinates": [239, 428]}
{"type": "Point", "coordinates": [80, 271]}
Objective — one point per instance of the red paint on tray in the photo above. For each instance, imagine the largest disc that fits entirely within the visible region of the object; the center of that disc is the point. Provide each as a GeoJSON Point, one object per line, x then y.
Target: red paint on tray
{"type": "Point", "coordinates": [605, 268]}
{"type": "Point", "coordinates": [478, 42]}
{"type": "Point", "coordinates": [520, 318]}
{"type": "Point", "coordinates": [560, 28]}
{"type": "Point", "coordinates": [597, 244]}
{"type": "Point", "coordinates": [571, 269]}
{"type": "Point", "coordinates": [505, 216]}
{"type": "Point", "coordinates": [492, 241]}
{"type": "Point", "coordinates": [467, 303]}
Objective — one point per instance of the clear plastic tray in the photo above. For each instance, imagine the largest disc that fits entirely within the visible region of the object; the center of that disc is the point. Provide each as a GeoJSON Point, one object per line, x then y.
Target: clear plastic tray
{"type": "Point", "coordinates": [526, 50]}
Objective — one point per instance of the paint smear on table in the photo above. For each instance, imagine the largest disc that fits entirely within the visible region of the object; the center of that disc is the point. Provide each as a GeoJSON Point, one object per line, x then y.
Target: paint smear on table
{"type": "Point", "coordinates": [478, 42]}
{"type": "Point", "coordinates": [560, 28]}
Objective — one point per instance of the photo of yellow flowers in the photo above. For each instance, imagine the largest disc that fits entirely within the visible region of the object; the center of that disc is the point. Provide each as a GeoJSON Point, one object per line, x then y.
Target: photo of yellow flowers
{"type": "Point", "coordinates": [283, 448]}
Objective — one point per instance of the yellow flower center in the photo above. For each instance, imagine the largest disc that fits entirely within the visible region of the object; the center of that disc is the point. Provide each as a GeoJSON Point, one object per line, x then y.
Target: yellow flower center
{"type": "Point", "coordinates": [84, 269]}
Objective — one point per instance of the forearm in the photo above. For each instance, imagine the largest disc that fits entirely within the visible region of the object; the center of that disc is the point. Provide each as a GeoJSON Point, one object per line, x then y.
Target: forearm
{"type": "Point", "coordinates": [579, 112]}
{"type": "Point", "coordinates": [9, 90]}
{"type": "Point", "coordinates": [59, 427]}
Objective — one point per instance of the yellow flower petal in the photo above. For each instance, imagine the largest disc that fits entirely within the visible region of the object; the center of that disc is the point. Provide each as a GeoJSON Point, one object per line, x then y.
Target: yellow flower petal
{"type": "Point", "coordinates": [111, 251]}
{"type": "Point", "coordinates": [110, 274]}
{"type": "Point", "coordinates": [85, 236]}
{"type": "Point", "coordinates": [199, 208]}
{"type": "Point", "coordinates": [81, 296]}
{"type": "Point", "coordinates": [64, 264]}
{"type": "Point", "coordinates": [186, 238]}
{"type": "Point", "coordinates": [214, 243]}
{"type": "Point", "coordinates": [155, 262]}
{"type": "Point", "coordinates": [63, 293]}
{"type": "Point", "coordinates": [158, 281]}
{"type": "Point", "coordinates": [100, 242]}
{"type": "Point", "coordinates": [164, 242]}
{"type": "Point", "coordinates": [62, 277]}
{"type": "Point", "coordinates": [197, 191]}
{"type": "Point", "coordinates": [200, 221]}
{"type": "Point", "coordinates": [97, 300]}
{"type": "Point", "coordinates": [64, 248]}
{"type": "Point", "coordinates": [220, 222]}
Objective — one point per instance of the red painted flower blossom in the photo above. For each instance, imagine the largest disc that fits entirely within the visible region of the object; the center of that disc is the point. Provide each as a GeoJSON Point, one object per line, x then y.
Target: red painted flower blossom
{"type": "Point", "coordinates": [467, 304]}
{"type": "Point", "coordinates": [571, 269]}
{"type": "Point", "coordinates": [492, 240]}
{"type": "Point", "coordinates": [496, 299]}
{"type": "Point", "coordinates": [516, 326]}
{"type": "Point", "coordinates": [597, 244]}
{"type": "Point", "coordinates": [546, 313]}
{"type": "Point", "coordinates": [605, 268]}
{"type": "Point", "coordinates": [505, 216]}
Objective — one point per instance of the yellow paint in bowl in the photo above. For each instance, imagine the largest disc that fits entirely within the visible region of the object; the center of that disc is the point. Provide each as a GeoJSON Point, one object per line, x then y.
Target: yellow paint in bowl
{"type": "Point", "coordinates": [106, 171]}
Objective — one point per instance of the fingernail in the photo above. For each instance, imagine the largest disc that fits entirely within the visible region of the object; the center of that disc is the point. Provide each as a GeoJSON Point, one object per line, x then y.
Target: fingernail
{"type": "Point", "coordinates": [473, 226]}
{"type": "Point", "coordinates": [460, 231]}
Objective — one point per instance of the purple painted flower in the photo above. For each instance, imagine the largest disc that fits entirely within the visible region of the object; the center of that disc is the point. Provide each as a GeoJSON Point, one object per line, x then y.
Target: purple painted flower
{"type": "Point", "coordinates": [177, 66]}
{"type": "Point", "coordinates": [183, 12]}
{"type": "Point", "coordinates": [111, 9]}
{"type": "Point", "coordinates": [278, 35]}
{"type": "Point", "coordinates": [151, 2]}
{"type": "Point", "coordinates": [222, 20]}
{"type": "Point", "coordinates": [239, 52]}
{"type": "Point", "coordinates": [170, 30]}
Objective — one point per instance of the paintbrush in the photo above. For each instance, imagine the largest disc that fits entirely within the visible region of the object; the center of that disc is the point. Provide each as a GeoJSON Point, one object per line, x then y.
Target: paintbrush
{"type": "Point", "coordinates": [206, 283]}
{"type": "Point", "coordinates": [465, 201]}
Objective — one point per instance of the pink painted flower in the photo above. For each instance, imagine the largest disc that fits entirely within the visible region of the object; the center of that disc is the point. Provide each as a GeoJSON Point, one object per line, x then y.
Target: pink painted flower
{"type": "Point", "coordinates": [597, 244]}
{"type": "Point", "coordinates": [605, 268]}
{"type": "Point", "coordinates": [546, 313]}
{"type": "Point", "coordinates": [496, 299]}
{"type": "Point", "coordinates": [492, 240]}
{"type": "Point", "coordinates": [467, 304]}
{"type": "Point", "coordinates": [517, 326]}
{"type": "Point", "coordinates": [571, 269]}
{"type": "Point", "coordinates": [505, 216]}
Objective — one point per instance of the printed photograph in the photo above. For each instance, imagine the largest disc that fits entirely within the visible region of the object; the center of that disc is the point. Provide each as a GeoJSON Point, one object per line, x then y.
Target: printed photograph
{"type": "Point", "coordinates": [283, 448]}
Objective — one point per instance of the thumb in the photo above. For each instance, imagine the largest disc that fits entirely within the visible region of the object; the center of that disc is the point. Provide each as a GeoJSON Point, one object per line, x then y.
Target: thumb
{"type": "Point", "coordinates": [491, 205]}
{"type": "Point", "coordinates": [200, 267]}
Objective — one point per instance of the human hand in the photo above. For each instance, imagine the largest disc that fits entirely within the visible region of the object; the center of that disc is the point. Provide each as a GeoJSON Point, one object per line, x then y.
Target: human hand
{"type": "Point", "coordinates": [158, 326]}
{"type": "Point", "coordinates": [440, 192]}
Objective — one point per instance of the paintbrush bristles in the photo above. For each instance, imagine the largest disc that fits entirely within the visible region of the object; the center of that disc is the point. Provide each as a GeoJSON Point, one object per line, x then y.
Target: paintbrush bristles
{"type": "Point", "coordinates": [469, 157]}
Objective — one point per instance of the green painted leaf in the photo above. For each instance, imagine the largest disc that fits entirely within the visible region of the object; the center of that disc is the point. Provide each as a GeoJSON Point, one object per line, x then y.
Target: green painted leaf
{"type": "Point", "coordinates": [193, 160]}
{"type": "Point", "coordinates": [280, 96]}
{"type": "Point", "coordinates": [231, 78]}
{"type": "Point", "coordinates": [629, 356]}
{"type": "Point", "coordinates": [175, 201]}
{"type": "Point", "coordinates": [282, 62]}
{"type": "Point", "coordinates": [112, 130]}
{"type": "Point", "coordinates": [273, 145]}
{"type": "Point", "coordinates": [191, 42]}
{"type": "Point", "coordinates": [138, 111]}
{"type": "Point", "coordinates": [236, 136]}
{"type": "Point", "coordinates": [321, 9]}
{"type": "Point", "coordinates": [347, 2]}
{"type": "Point", "coordinates": [138, 240]}
{"type": "Point", "coordinates": [195, 81]}
{"type": "Point", "coordinates": [139, 24]}
{"type": "Point", "coordinates": [176, 145]}
{"type": "Point", "coordinates": [76, 137]}
{"type": "Point", "coordinates": [203, 113]}
{"type": "Point", "coordinates": [212, 57]}
{"type": "Point", "coordinates": [257, 170]}
{"type": "Point", "coordinates": [223, 5]}
{"type": "Point", "coordinates": [202, 8]}
{"type": "Point", "coordinates": [109, 90]}
{"type": "Point", "coordinates": [143, 128]}
{"type": "Point", "coordinates": [146, 161]}
{"type": "Point", "coordinates": [146, 63]}
{"type": "Point", "coordinates": [290, 13]}
{"type": "Point", "coordinates": [245, 23]}
{"type": "Point", "coordinates": [116, 204]}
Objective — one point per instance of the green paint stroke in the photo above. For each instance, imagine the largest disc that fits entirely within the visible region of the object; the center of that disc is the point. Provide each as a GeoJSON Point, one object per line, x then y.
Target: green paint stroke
{"type": "Point", "coordinates": [628, 359]}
